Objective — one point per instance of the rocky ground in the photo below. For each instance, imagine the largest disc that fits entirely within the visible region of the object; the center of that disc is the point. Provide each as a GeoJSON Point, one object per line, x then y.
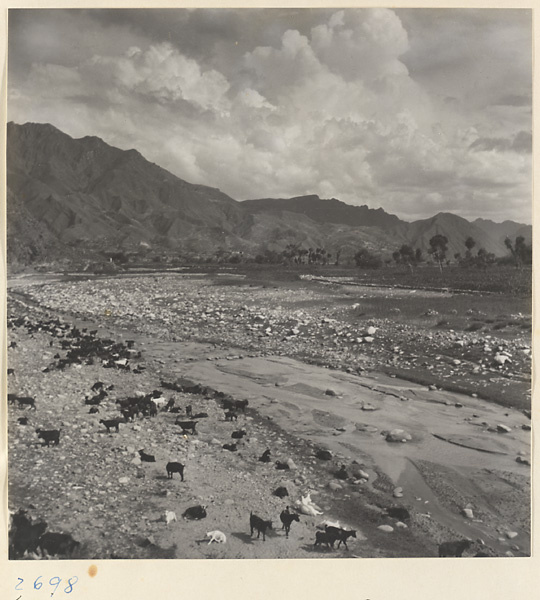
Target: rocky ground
{"type": "Point", "coordinates": [94, 486]}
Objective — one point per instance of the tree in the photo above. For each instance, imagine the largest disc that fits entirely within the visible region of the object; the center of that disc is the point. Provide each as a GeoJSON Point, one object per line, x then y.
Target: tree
{"type": "Point", "coordinates": [470, 243]}
{"type": "Point", "coordinates": [521, 251]}
{"type": "Point", "coordinates": [438, 248]}
{"type": "Point", "coordinates": [367, 260]}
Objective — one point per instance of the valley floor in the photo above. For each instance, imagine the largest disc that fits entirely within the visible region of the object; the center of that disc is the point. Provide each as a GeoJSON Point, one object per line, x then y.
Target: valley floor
{"type": "Point", "coordinates": [322, 366]}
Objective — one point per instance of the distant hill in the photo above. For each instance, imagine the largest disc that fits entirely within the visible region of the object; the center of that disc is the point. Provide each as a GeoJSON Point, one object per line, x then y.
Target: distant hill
{"type": "Point", "coordinates": [325, 211]}
{"type": "Point", "coordinates": [70, 197]}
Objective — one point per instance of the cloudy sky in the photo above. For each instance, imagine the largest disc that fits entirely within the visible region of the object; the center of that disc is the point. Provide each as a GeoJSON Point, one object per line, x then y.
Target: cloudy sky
{"type": "Point", "coordinates": [415, 110]}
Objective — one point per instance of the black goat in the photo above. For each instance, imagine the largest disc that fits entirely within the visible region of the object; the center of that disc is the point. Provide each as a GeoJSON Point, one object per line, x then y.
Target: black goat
{"type": "Point", "coordinates": [325, 537]}
{"type": "Point", "coordinates": [58, 543]}
{"type": "Point", "coordinates": [265, 458]}
{"type": "Point", "coordinates": [280, 492]}
{"type": "Point", "coordinates": [230, 415]}
{"type": "Point", "coordinates": [195, 512]}
{"type": "Point", "coordinates": [187, 426]}
{"type": "Point", "coordinates": [93, 410]}
{"type": "Point", "coordinates": [341, 534]}
{"type": "Point", "coordinates": [48, 436]}
{"type": "Point", "coordinates": [175, 467]}
{"type": "Point", "coordinates": [241, 405]}
{"type": "Point", "coordinates": [238, 435]}
{"type": "Point", "coordinates": [287, 518]}
{"type": "Point", "coordinates": [22, 420]}
{"type": "Point", "coordinates": [97, 386]}
{"type": "Point", "coordinates": [260, 525]}
{"type": "Point", "coordinates": [111, 423]}
{"type": "Point", "coordinates": [230, 447]}
{"type": "Point", "coordinates": [146, 457]}
{"type": "Point", "coordinates": [324, 454]}
{"type": "Point", "coordinates": [26, 401]}
{"type": "Point", "coordinates": [24, 535]}
{"type": "Point", "coordinates": [281, 466]}
{"type": "Point", "coordinates": [454, 548]}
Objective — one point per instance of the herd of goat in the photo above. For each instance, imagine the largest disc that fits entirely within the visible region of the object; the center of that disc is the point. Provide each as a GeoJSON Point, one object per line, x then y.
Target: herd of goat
{"type": "Point", "coordinates": [27, 536]}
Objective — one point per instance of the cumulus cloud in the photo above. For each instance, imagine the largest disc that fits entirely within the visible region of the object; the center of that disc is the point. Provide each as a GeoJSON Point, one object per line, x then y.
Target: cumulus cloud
{"type": "Point", "coordinates": [344, 104]}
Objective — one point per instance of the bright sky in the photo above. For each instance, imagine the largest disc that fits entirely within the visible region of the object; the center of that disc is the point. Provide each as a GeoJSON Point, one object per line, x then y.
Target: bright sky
{"type": "Point", "coordinates": [415, 110]}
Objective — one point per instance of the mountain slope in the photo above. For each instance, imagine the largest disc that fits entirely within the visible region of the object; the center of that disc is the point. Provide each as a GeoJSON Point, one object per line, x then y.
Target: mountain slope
{"type": "Point", "coordinates": [70, 197]}
{"type": "Point", "coordinates": [85, 190]}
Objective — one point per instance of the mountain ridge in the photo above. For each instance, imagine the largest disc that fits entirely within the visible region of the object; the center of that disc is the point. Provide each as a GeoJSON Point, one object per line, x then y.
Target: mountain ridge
{"type": "Point", "coordinates": [85, 193]}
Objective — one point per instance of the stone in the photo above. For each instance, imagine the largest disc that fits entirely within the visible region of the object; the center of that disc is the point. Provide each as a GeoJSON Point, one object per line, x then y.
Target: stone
{"type": "Point", "coordinates": [398, 492]}
{"type": "Point", "coordinates": [123, 480]}
{"type": "Point", "coordinates": [401, 525]}
{"type": "Point", "coordinates": [386, 528]}
{"type": "Point", "coordinates": [334, 486]}
{"type": "Point", "coordinates": [503, 428]}
{"type": "Point", "coordinates": [398, 435]}
{"type": "Point", "coordinates": [467, 512]}
{"type": "Point", "coordinates": [511, 534]}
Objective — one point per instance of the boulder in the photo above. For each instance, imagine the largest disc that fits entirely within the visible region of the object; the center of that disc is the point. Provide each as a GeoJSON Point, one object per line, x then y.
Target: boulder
{"type": "Point", "coordinates": [503, 428]}
{"type": "Point", "coordinates": [398, 492]}
{"type": "Point", "coordinates": [386, 528]}
{"type": "Point", "coordinates": [398, 435]}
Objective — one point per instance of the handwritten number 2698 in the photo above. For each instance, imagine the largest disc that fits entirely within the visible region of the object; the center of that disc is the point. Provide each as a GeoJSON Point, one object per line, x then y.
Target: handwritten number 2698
{"type": "Point", "coordinates": [54, 582]}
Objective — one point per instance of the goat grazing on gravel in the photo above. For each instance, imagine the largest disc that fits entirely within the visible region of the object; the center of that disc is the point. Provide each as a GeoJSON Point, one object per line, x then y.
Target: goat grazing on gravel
{"type": "Point", "coordinates": [238, 435]}
{"type": "Point", "coordinates": [341, 534]}
{"type": "Point", "coordinates": [195, 513]}
{"type": "Point", "coordinates": [287, 518]}
{"type": "Point", "coordinates": [24, 534]}
{"type": "Point", "coordinates": [454, 548]}
{"type": "Point", "coordinates": [26, 401]}
{"type": "Point", "coordinates": [49, 436]}
{"type": "Point", "coordinates": [256, 523]}
{"type": "Point", "coordinates": [111, 423]}
{"type": "Point", "coordinates": [265, 458]}
{"type": "Point", "coordinates": [280, 492]}
{"type": "Point", "coordinates": [57, 543]}
{"type": "Point", "coordinates": [187, 426]}
{"type": "Point", "coordinates": [216, 536]}
{"type": "Point", "coordinates": [175, 467]}
{"type": "Point", "coordinates": [325, 537]}
{"type": "Point", "coordinates": [146, 457]}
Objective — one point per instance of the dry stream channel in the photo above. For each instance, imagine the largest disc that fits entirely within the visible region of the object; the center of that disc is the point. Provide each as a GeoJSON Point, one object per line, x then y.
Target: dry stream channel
{"type": "Point", "coordinates": [455, 457]}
